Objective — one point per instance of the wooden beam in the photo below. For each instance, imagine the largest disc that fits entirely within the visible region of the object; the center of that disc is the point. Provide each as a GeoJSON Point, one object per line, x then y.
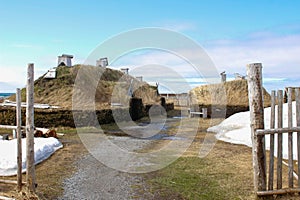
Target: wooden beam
{"type": "Point", "coordinates": [19, 140]}
{"type": "Point", "coordinates": [10, 182]}
{"type": "Point", "coordinates": [30, 168]}
{"type": "Point", "coordinates": [278, 192]}
{"type": "Point", "coordinates": [277, 130]}
{"type": "Point", "coordinates": [255, 93]}
{"type": "Point", "coordinates": [279, 141]}
{"type": "Point", "coordinates": [271, 155]}
{"type": "Point", "coordinates": [6, 198]}
{"type": "Point", "coordinates": [8, 127]}
{"type": "Point", "coordinates": [11, 127]}
{"type": "Point", "coordinates": [297, 92]}
{"type": "Point", "coordinates": [290, 139]}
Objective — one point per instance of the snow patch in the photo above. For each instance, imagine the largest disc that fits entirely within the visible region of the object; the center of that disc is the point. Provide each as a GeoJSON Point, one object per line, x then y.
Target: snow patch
{"type": "Point", "coordinates": [43, 149]}
{"type": "Point", "coordinates": [236, 130]}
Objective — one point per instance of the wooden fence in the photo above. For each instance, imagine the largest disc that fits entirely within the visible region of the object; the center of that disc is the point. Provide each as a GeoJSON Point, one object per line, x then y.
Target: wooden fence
{"type": "Point", "coordinates": [30, 168]}
{"type": "Point", "coordinates": [264, 168]}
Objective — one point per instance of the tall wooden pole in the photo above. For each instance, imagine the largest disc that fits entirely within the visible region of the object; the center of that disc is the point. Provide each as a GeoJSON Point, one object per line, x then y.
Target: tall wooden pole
{"type": "Point", "coordinates": [297, 94]}
{"type": "Point", "coordinates": [19, 140]}
{"type": "Point", "coordinates": [30, 168]}
{"type": "Point", "coordinates": [290, 138]}
{"type": "Point", "coordinates": [255, 91]}
{"type": "Point", "coordinates": [279, 140]}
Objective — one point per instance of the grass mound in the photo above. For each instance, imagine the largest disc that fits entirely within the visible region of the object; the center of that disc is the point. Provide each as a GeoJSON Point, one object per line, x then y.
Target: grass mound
{"type": "Point", "coordinates": [109, 82]}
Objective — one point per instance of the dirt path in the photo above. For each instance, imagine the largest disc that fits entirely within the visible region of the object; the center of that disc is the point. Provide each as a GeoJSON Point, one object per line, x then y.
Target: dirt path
{"type": "Point", "coordinates": [93, 180]}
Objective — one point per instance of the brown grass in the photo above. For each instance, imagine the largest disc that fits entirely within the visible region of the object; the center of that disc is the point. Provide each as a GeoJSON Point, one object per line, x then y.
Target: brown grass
{"type": "Point", "coordinates": [225, 173]}
{"type": "Point", "coordinates": [59, 91]}
{"type": "Point", "coordinates": [228, 93]}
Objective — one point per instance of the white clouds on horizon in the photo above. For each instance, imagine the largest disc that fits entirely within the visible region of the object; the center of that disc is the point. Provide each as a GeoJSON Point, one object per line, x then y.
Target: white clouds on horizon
{"type": "Point", "coordinates": [279, 54]}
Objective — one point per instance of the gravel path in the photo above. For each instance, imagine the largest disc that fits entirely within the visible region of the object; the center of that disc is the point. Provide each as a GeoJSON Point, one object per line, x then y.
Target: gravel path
{"type": "Point", "coordinates": [94, 180]}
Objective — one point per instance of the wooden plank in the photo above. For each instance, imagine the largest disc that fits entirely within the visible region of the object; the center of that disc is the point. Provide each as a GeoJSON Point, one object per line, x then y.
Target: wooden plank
{"type": "Point", "coordinates": [279, 140]}
{"type": "Point", "coordinates": [30, 168]}
{"type": "Point", "coordinates": [6, 198]}
{"type": "Point", "coordinates": [10, 182]}
{"type": "Point", "coordinates": [19, 140]}
{"type": "Point", "coordinates": [277, 130]}
{"type": "Point", "coordinates": [290, 139]}
{"type": "Point", "coordinates": [297, 93]}
{"type": "Point", "coordinates": [272, 126]}
{"type": "Point", "coordinates": [255, 93]}
{"type": "Point", "coordinates": [8, 127]}
{"type": "Point", "coordinates": [278, 192]}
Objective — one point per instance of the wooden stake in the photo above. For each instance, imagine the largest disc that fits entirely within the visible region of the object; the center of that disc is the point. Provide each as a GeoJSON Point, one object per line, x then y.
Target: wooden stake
{"type": "Point", "coordinates": [297, 92]}
{"type": "Point", "coordinates": [290, 137]}
{"type": "Point", "coordinates": [272, 125]}
{"type": "Point", "coordinates": [19, 140]}
{"type": "Point", "coordinates": [279, 142]}
{"type": "Point", "coordinates": [255, 90]}
{"type": "Point", "coordinates": [30, 168]}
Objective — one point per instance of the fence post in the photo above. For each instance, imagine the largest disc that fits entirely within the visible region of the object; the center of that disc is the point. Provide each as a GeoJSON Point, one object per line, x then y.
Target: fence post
{"type": "Point", "coordinates": [19, 140]}
{"type": "Point", "coordinates": [204, 111]}
{"type": "Point", "coordinates": [255, 92]}
{"type": "Point", "coordinates": [30, 168]}
{"type": "Point", "coordinates": [279, 140]}
{"type": "Point", "coordinates": [290, 138]}
{"type": "Point", "coordinates": [272, 126]}
{"type": "Point", "coordinates": [297, 94]}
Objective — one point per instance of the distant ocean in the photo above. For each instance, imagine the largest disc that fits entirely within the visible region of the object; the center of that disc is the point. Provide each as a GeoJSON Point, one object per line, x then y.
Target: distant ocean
{"type": "Point", "coordinates": [4, 95]}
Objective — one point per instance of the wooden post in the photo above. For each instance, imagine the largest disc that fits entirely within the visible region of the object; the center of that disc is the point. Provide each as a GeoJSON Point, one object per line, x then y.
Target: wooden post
{"type": "Point", "coordinates": [272, 126]}
{"type": "Point", "coordinates": [279, 142]}
{"type": "Point", "coordinates": [297, 92]}
{"type": "Point", "coordinates": [19, 140]}
{"type": "Point", "coordinates": [204, 111]}
{"type": "Point", "coordinates": [30, 168]}
{"type": "Point", "coordinates": [255, 90]}
{"type": "Point", "coordinates": [290, 137]}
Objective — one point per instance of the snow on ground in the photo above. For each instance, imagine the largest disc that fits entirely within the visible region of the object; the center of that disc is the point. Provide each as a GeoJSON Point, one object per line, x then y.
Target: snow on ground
{"type": "Point", "coordinates": [236, 129]}
{"type": "Point", "coordinates": [43, 149]}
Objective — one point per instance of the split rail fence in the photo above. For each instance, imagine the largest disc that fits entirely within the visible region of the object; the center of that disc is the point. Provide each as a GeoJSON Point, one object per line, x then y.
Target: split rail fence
{"type": "Point", "coordinates": [266, 170]}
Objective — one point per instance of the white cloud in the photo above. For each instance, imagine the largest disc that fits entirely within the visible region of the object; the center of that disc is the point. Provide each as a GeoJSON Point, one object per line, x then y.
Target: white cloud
{"type": "Point", "coordinates": [278, 54]}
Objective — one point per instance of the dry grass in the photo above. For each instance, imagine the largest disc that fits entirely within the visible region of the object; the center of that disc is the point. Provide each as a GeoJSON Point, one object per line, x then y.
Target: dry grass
{"type": "Point", "coordinates": [228, 93]}
{"type": "Point", "coordinates": [225, 173]}
{"type": "Point", "coordinates": [107, 83]}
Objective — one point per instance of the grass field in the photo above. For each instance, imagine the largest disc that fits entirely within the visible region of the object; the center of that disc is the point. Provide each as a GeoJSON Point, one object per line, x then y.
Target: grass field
{"type": "Point", "coordinates": [225, 173]}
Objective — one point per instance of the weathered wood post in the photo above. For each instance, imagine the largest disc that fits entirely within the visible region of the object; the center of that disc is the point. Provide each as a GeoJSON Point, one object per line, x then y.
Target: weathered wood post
{"type": "Point", "coordinates": [30, 168]}
{"type": "Point", "coordinates": [255, 92]}
{"type": "Point", "coordinates": [204, 111]}
{"type": "Point", "coordinates": [272, 126]}
{"type": "Point", "coordinates": [290, 138]}
{"type": "Point", "coordinates": [19, 140]}
{"type": "Point", "coordinates": [297, 94]}
{"type": "Point", "coordinates": [279, 140]}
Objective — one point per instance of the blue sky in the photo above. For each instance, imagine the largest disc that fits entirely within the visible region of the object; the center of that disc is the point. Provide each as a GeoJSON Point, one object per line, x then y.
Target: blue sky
{"type": "Point", "coordinates": [233, 33]}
